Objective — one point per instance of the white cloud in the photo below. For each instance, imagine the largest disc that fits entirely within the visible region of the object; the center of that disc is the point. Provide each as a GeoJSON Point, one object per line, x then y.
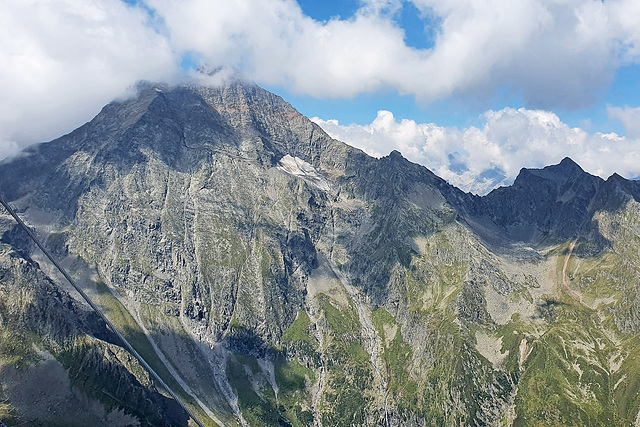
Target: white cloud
{"type": "Point", "coordinates": [552, 52]}
{"type": "Point", "coordinates": [63, 60]}
{"type": "Point", "coordinates": [625, 19]}
{"type": "Point", "coordinates": [479, 159]}
{"type": "Point", "coordinates": [275, 43]}
{"type": "Point", "coordinates": [8, 147]}
{"type": "Point", "coordinates": [630, 118]}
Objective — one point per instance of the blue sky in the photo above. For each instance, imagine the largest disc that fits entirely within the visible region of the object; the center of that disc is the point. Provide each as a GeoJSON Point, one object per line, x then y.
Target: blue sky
{"type": "Point", "coordinates": [624, 90]}
{"type": "Point", "coordinates": [472, 89]}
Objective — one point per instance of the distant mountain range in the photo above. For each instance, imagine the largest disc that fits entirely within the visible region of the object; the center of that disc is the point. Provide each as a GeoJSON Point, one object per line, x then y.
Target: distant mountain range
{"type": "Point", "coordinates": [273, 275]}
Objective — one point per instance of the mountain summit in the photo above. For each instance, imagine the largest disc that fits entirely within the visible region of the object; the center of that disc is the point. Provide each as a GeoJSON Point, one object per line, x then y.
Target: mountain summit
{"type": "Point", "coordinates": [543, 205]}
{"type": "Point", "coordinates": [275, 276]}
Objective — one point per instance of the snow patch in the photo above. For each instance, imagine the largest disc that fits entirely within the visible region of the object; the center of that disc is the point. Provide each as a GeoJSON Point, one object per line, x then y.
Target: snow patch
{"type": "Point", "coordinates": [301, 169]}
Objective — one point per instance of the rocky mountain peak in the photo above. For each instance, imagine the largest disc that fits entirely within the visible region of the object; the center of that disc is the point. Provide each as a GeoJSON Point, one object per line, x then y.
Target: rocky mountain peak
{"type": "Point", "coordinates": [615, 192]}
{"type": "Point", "coordinates": [615, 177]}
{"type": "Point", "coordinates": [558, 174]}
{"type": "Point", "coordinates": [568, 163]}
{"type": "Point", "coordinates": [395, 154]}
{"type": "Point", "coordinates": [543, 204]}
{"type": "Point", "coordinates": [182, 126]}
{"type": "Point", "coordinates": [280, 277]}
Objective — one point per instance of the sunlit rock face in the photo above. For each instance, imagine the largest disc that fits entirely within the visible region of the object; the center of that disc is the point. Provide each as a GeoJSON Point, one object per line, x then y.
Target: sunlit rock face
{"type": "Point", "coordinates": [275, 276]}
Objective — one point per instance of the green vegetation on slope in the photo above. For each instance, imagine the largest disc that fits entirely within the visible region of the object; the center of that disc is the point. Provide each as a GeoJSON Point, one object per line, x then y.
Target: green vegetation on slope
{"type": "Point", "coordinates": [346, 401]}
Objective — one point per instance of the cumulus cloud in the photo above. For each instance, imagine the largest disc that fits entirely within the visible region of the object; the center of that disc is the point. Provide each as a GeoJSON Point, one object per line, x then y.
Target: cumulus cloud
{"type": "Point", "coordinates": [63, 60]}
{"type": "Point", "coordinates": [551, 52]}
{"type": "Point", "coordinates": [275, 43]}
{"type": "Point", "coordinates": [478, 159]}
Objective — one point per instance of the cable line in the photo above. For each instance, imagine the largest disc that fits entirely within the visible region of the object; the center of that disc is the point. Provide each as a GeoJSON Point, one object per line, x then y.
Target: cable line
{"type": "Point", "coordinates": [97, 310]}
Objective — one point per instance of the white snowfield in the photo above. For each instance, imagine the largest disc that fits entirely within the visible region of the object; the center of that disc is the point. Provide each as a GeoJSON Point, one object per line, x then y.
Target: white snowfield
{"type": "Point", "coordinates": [298, 167]}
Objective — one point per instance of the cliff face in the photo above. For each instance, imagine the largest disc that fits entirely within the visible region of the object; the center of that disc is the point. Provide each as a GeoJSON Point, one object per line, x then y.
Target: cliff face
{"type": "Point", "coordinates": [273, 275]}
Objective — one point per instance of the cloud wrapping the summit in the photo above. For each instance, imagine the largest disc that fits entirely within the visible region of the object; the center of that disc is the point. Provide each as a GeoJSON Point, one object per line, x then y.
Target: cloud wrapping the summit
{"type": "Point", "coordinates": [63, 60]}
{"type": "Point", "coordinates": [275, 43]}
{"type": "Point", "coordinates": [478, 159]}
{"type": "Point", "coordinates": [552, 53]}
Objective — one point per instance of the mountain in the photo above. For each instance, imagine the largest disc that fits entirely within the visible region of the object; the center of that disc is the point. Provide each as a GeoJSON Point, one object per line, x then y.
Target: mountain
{"type": "Point", "coordinates": [548, 203]}
{"type": "Point", "coordinates": [275, 276]}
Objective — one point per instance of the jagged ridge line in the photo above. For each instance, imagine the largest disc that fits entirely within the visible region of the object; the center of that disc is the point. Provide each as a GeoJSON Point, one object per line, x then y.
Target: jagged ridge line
{"type": "Point", "coordinates": [100, 313]}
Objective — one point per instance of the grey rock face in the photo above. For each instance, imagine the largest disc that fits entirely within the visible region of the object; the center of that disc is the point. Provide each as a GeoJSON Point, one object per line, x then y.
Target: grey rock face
{"type": "Point", "coordinates": [547, 204]}
{"type": "Point", "coordinates": [277, 276]}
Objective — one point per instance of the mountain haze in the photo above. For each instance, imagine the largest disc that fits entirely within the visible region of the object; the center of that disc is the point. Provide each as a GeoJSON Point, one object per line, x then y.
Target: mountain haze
{"type": "Point", "coordinates": [275, 276]}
